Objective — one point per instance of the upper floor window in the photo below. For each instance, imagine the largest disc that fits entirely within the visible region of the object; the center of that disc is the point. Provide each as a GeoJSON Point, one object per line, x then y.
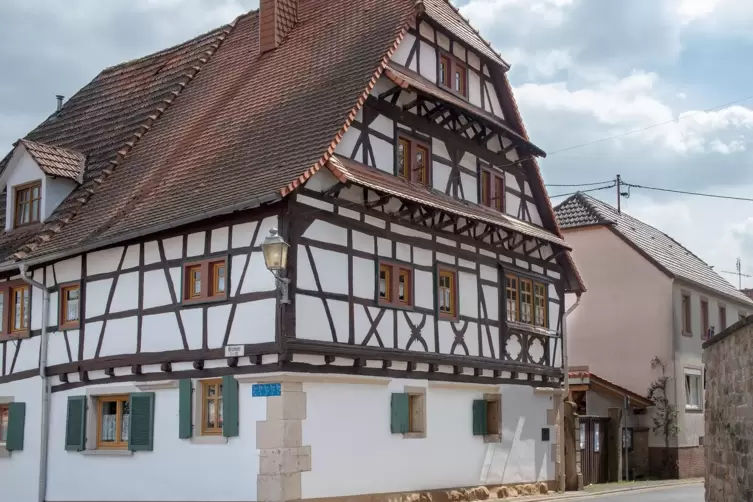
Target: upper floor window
{"type": "Point", "coordinates": [205, 280]}
{"type": "Point", "coordinates": [19, 309]}
{"type": "Point", "coordinates": [28, 200]}
{"type": "Point", "coordinates": [413, 158]}
{"type": "Point", "coordinates": [395, 284]}
{"type": "Point", "coordinates": [453, 74]}
{"type": "Point", "coordinates": [69, 306]}
{"type": "Point", "coordinates": [447, 293]}
{"type": "Point", "coordinates": [693, 389]}
{"type": "Point", "coordinates": [492, 188]}
{"type": "Point", "coordinates": [526, 300]}
{"type": "Point", "coordinates": [686, 325]}
{"type": "Point", "coordinates": [705, 333]}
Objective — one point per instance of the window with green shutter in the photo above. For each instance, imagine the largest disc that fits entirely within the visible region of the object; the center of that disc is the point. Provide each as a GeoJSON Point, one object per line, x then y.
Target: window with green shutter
{"type": "Point", "coordinates": [16, 423]}
{"type": "Point", "coordinates": [141, 424]}
{"type": "Point", "coordinates": [229, 406]}
{"type": "Point", "coordinates": [487, 417]}
{"type": "Point", "coordinates": [185, 411]}
{"type": "Point", "coordinates": [400, 413]}
{"type": "Point", "coordinates": [75, 424]}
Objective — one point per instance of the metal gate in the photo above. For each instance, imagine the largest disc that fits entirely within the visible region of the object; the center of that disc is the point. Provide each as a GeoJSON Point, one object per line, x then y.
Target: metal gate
{"type": "Point", "coordinates": [593, 450]}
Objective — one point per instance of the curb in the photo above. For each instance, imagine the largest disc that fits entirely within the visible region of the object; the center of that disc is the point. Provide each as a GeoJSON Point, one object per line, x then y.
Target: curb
{"type": "Point", "coordinates": [586, 495]}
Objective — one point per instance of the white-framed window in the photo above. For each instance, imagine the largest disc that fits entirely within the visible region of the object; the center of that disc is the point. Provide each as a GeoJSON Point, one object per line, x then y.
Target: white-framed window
{"type": "Point", "coordinates": [693, 389]}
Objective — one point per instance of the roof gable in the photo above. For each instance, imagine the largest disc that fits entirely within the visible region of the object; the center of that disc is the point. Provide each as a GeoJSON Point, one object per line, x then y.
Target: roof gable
{"type": "Point", "coordinates": [582, 210]}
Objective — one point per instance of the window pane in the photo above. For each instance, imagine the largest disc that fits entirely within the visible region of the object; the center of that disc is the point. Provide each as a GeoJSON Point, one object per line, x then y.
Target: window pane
{"type": "Point", "coordinates": [196, 282]}
{"type": "Point", "coordinates": [421, 163]}
{"type": "Point", "coordinates": [3, 424]}
{"type": "Point", "coordinates": [25, 213]}
{"type": "Point", "coordinates": [211, 417]}
{"type": "Point", "coordinates": [125, 419]}
{"type": "Point", "coordinates": [219, 412]}
{"type": "Point", "coordinates": [511, 286]}
{"type": "Point", "coordinates": [401, 288]}
{"type": "Point", "coordinates": [25, 314]}
{"type": "Point", "coordinates": [220, 278]}
{"type": "Point", "coordinates": [403, 152]}
{"type": "Point", "coordinates": [2, 309]}
{"type": "Point", "coordinates": [34, 210]}
{"type": "Point", "coordinates": [108, 432]}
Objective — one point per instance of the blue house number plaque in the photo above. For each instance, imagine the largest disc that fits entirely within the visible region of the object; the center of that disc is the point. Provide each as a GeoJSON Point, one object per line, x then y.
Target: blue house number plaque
{"type": "Point", "coordinates": [265, 389]}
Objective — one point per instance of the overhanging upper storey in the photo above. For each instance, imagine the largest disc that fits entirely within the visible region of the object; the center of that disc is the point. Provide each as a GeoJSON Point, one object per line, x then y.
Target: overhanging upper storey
{"type": "Point", "coordinates": [421, 205]}
{"type": "Point", "coordinates": [448, 110]}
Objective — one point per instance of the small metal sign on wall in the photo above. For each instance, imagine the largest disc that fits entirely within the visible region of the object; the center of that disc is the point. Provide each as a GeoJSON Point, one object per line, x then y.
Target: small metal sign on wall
{"type": "Point", "coordinates": [265, 389]}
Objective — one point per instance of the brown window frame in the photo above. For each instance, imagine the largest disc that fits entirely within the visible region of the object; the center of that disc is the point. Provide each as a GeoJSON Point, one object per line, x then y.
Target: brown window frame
{"type": "Point", "coordinates": [64, 323]}
{"type": "Point", "coordinates": [444, 271]}
{"type": "Point", "coordinates": [6, 310]}
{"type": "Point", "coordinates": [16, 213]}
{"type": "Point", "coordinates": [722, 317]}
{"type": "Point", "coordinates": [493, 194]}
{"type": "Point", "coordinates": [411, 145]}
{"type": "Point", "coordinates": [687, 316]}
{"type": "Point", "coordinates": [394, 270]}
{"type": "Point", "coordinates": [205, 385]}
{"type": "Point", "coordinates": [207, 292]}
{"type": "Point", "coordinates": [4, 409]}
{"type": "Point", "coordinates": [518, 280]}
{"type": "Point", "coordinates": [705, 324]}
{"type": "Point", "coordinates": [119, 444]}
{"type": "Point", "coordinates": [453, 63]}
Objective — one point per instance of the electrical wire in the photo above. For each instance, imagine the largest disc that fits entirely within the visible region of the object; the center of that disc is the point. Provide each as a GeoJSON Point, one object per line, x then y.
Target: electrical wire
{"type": "Point", "coordinates": [583, 191]}
{"type": "Point", "coordinates": [677, 119]}
{"type": "Point", "coordinates": [684, 192]}
{"type": "Point", "coordinates": [579, 184]}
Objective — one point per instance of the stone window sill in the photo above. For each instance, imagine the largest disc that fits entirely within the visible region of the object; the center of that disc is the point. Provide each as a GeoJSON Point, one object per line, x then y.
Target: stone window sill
{"type": "Point", "coordinates": [414, 435]}
{"type": "Point", "coordinates": [693, 410]}
{"type": "Point", "coordinates": [688, 334]}
{"type": "Point", "coordinates": [108, 453]}
{"type": "Point", "coordinates": [492, 438]}
{"type": "Point", "coordinates": [209, 440]}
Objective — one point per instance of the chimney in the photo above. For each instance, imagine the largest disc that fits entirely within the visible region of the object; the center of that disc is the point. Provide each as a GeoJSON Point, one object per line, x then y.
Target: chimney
{"type": "Point", "coordinates": [276, 19]}
{"type": "Point", "coordinates": [60, 101]}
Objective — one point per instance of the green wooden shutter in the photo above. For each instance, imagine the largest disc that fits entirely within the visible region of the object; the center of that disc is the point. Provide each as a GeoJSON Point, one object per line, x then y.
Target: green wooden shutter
{"type": "Point", "coordinates": [185, 427]}
{"type": "Point", "coordinates": [479, 417]}
{"type": "Point", "coordinates": [75, 424]}
{"type": "Point", "coordinates": [400, 413]}
{"type": "Point", "coordinates": [229, 406]}
{"type": "Point", "coordinates": [141, 423]}
{"type": "Point", "coordinates": [16, 422]}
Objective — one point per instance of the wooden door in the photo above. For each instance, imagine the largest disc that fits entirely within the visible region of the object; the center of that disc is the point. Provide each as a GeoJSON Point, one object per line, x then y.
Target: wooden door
{"type": "Point", "coordinates": [593, 446]}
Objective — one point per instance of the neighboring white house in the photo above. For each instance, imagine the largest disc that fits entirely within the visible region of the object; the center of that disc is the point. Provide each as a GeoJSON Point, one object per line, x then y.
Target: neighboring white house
{"type": "Point", "coordinates": [649, 296]}
{"type": "Point", "coordinates": [411, 341]}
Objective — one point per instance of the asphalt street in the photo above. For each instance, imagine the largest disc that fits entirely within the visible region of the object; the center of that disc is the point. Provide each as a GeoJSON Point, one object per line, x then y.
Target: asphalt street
{"type": "Point", "coordinates": [685, 493]}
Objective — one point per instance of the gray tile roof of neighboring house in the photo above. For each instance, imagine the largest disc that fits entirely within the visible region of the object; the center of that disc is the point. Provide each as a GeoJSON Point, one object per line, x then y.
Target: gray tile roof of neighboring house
{"type": "Point", "coordinates": [581, 210]}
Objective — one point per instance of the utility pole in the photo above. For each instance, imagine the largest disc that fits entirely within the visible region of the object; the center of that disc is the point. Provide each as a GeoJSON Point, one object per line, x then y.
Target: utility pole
{"type": "Point", "coordinates": [739, 267]}
{"type": "Point", "coordinates": [618, 181]}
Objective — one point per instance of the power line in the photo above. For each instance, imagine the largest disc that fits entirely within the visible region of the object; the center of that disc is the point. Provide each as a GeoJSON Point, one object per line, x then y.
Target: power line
{"type": "Point", "coordinates": [579, 184]}
{"type": "Point", "coordinates": [677, 119]}
{"type": "Point", "coordinates": [582, 191]}
{"type": "Point", "coordinates": [684, 192]}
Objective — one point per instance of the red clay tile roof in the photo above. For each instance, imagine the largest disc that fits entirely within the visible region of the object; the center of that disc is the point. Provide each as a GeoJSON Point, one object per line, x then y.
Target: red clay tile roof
{"type": "Point", "coordinates": [56, 161]}
{"type": "Point", "coordinates": [347, 170]}
{"type": "Point", "coordinates": [273, 115]}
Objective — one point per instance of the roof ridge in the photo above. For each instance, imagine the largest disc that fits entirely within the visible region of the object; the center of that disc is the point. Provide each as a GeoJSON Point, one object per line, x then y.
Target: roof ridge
{"type": "Point", "coordinates": [46, 234]}
{"type": "Point", "coordinates": [473, 28]}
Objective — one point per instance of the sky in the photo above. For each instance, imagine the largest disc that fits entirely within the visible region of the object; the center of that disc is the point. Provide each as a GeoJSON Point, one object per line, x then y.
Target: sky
{"type": "Point", "coordinates": [582, 71]}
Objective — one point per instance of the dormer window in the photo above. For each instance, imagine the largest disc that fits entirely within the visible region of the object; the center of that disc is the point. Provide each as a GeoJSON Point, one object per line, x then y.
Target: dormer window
{"type": "Point", "coordinates": [453, 74]}
{"type": "Point", "coordinates": [28, 200]}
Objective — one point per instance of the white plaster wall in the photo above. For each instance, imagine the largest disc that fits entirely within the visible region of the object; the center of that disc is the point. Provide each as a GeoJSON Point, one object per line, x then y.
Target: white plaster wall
{"type": "Point", "coordinates": [225, 472]}
{"type": "Point", "coordinates": [449, 456]}
{"type": "Point", "coordinates": [428, 62]}
{"type": "Point", "coordinates": [19, 472]}
{"type": "Point", "coordinates": [403, 50]}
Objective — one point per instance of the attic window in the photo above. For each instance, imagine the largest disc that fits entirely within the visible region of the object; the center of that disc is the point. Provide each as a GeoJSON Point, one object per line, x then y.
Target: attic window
{"type": "Point", "coordinates": [28, 198]}
{"type": "Point", "coordinates": [453, 74]}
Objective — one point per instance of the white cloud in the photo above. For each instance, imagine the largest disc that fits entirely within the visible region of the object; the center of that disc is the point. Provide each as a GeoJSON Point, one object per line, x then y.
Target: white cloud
{"type": "Point", "coordinates": [690, 10]}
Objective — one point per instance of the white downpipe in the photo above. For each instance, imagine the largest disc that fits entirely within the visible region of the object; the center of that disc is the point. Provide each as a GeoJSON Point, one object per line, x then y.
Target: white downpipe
{"type": "Point", "coordinates": [45, 412]}
{"type": "Point", "coordinates": [566, 392]}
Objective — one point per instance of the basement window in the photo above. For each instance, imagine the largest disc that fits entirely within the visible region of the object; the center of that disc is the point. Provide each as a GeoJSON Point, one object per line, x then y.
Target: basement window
{"type": "Point", "coordinates": [487, 418]}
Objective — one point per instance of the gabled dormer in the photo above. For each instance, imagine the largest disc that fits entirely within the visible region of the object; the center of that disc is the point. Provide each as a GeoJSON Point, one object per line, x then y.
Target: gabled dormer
{"type": "Point", "coordinates": [37, 179]}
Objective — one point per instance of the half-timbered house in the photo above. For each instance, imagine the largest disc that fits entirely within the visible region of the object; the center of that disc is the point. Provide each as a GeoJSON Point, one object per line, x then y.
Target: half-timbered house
{"type": "Point", "coordinates": [411, 341]}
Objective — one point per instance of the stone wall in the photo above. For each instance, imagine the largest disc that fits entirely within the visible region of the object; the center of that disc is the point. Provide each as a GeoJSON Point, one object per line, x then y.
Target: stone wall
{"type": "Point", "coordinates": [729, 414]}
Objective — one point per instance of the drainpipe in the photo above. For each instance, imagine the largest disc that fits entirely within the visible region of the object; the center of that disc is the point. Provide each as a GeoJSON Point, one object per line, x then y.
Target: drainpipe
{"type": "Point", "coordinates": [45, 382]}
{"type": "Point", "coordinates": [565, 394]}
